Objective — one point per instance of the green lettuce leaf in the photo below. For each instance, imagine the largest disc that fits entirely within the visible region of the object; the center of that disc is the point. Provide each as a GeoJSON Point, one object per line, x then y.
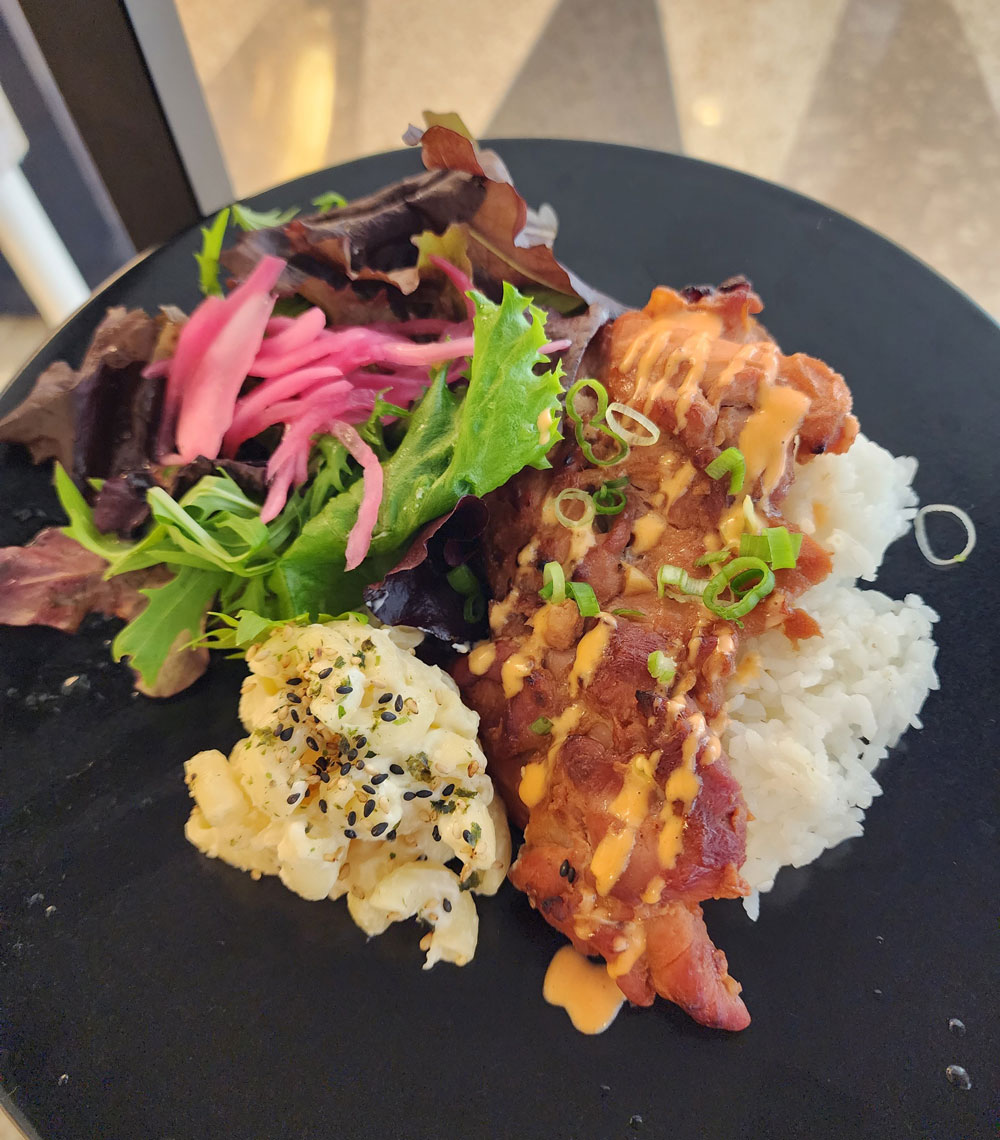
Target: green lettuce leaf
{"type": "Point", "coordinates": [331, 200]}
{"type": "Point", "coordinates": [455, 444]}
{"type": "Point", "coordinates": [174, 615]}
{"type": "Point", "coordinates": [208, 257]}
{"type": "Point", "coordinates": [248, 219]}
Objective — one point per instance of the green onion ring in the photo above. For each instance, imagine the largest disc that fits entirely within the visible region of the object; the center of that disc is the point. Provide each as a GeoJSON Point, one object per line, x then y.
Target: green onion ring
{"type": "Point", "coordinates": [729, 462]}
{"type": "Point", "coordinates": [574, 494]}
{"type": "Point", "coordinates": [553, 584]}
{"type": "Point", "coordinates": [724, 578]}
{"type": "Point", "coordinates": [632, 437]}
{"type": "Point", "coordinates": [661, 667]}
{"type": "Point", "coordinates": [585, 598]}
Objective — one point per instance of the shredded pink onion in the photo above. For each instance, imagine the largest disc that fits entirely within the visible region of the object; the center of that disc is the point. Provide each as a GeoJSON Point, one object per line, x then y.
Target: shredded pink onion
{"type": "Point", "coordinates": [461, 281]}
{"type": "Point", "coordinates": [313, 379]}
{"type": "Point", "coordinates": [360, 539]}
{"type": "Point", "coordinates": [302, 330]}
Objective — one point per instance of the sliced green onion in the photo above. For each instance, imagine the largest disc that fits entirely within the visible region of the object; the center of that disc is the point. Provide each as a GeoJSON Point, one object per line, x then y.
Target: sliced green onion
{"type": "Point", "coordinates": [580, 424]}
{"type": "Point", "coordinates": [463, 581]}
{"type": "Point", "coordinates": [776, 546]}
{"type": "Point", "coordinates": [920, 532]}
{"type": "Point", "coordinates": [632, 437]}
{"type": "Point", "coordinates": [553, 584]}
{"type": "Point", "coordinates": [585, 598]}
{"type": "Point", "coordinates": [474, 609]}
{"type": "Point", "coordinates": [754, 546]}
{"type": "Point", "coordinates": [599, 461]}
{"type": "Point", "coordinates": [610, 499]}
{"type": "Point", "coordinates": [629, 613]}
{"type": "Point", "coordinates": [730, 462]}
{"type": "Point", "coordinates": [574, 494]}
{"type": "Point", "coordinates": [724, 578]}
{"type": "Point", "coordinates": [751, 515]}
{"type": "Point", "coordinates": [745, 582]}
{"type": "Point", "coordinates": [542, 726]}
{"type": "Point", "coordinates": [783, 552]}
{"type": "Point", "coordinates": [661, 667]}
{"type": "Point", "coordinates": [600, 392]}
{"type": "Point", "coordinates": [711, 556]}
{"type": "Point", "coordinates": [677, 578]}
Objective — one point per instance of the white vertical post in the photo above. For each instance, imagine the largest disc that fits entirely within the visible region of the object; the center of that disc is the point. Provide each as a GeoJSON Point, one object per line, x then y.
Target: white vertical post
{"type": "Point", "coordinates": [28, 239]}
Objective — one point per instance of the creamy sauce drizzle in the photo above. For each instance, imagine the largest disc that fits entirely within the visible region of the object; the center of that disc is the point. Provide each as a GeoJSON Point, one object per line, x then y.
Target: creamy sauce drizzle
{"type": "Point", "coordinates": [500, 611]}
{"type": "Point", "coordinates": [683, 785]}
{"type": "Point", "coordinates": [629, 809]}
{"type": "Point", "coordinates": [584, 989]}
{"type": "Point", "coordinates": [535, 776]}
{"type": "Point", "coordinates": [767, 433]}
{"type": "Point", "coordinates": [482, 658]}
{"type": "Point", "coordinates": [646, 531]}
{"type": "Point", "coordinates": [544, 423]}
{"type": "Point", "coordinates": [589, 654]}
{"type": "Point", "coordinates": [677, 485]}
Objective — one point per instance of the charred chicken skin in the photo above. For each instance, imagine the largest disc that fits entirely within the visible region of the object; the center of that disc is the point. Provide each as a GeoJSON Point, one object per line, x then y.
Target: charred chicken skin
{"type": "Point", "coordinates": [631, 817]}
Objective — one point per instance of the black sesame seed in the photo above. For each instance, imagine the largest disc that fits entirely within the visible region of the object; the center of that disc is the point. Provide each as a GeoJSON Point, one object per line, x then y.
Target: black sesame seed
{"type": "Point", "coordinates": [384, 698]}
{"type": "Point", "coordinates": [295, 716]}
{"type": "Point", "coordinates": [350, 833]}
{"type": "Point", "coordinates": [352, 754]}
{"type": "Point", "coordinates": [467, 836]}
{"type": "Point", "coordinates": [324, 673]}
{"type": "Point", "coordinates": [446, 903]}
{"type": "Point", "coordinates": [380, 778]}
{"type": "Point", "coordinates": [447, 789]}
{"type": "Point", "coordinates": [564, 868]}
{"type": "Point", "coordinates": [293, 698]}
{"type": "Point", "coordinates": [293, 798]}
{"type": "Point", "coordinates": [360, 764]}
{"type": "Point", "coordinates": [325, 777]}
{"type": "Point", "coordinates": [369, 808]}
{"type": "Point", "coordinates": [409, 795]}
{"type": "Point", "coordinates": [398, 706]}
{"type": "Point", "coordinates": [322, 763]}
{"type": "Point", "coordinates": [368, 788]}
{"type": "Point", "coordinates": [425, 793]}
{"type": "Point", "coordinates": [571, 875]}
{"type": "Point", "coordinates": [436, 833]}
{"type": "Point", "coordinates": [345, 689]}
{"type": "Point", "coordinates": [361, 742]}
{"type": "Point", "coordinates": [311, 743]}
{"type": "Point", "coordinates": [388, 716]}
{"type": "Point", "coordinates": [323, 806]}
{"type": "Point", "coordinates": [342, 745]}
{"type": "Point", "coordinates": [391, 836]}
{"type": "Point", "coordinates": [345, 769]}
{"type": "Point", "coordinates": [294, 681]}
{"type": "Point", "coordinates": [352, 818]}
{"type": "Point", "coordinates": [396, 769]}
{"type": "Point", "coordinates": [379, 828]}
{"type": "Point", "coordinates": [286, 733]}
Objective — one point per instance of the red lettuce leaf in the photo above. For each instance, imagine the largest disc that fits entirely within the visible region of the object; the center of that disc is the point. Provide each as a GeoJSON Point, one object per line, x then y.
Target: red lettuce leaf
{"type": "Point", "coordinates": [416, 591]}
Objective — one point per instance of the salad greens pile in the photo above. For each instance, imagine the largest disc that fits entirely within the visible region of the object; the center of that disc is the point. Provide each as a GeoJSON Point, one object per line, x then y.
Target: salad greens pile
{"type": "Point", "coordinates": [465, 439]}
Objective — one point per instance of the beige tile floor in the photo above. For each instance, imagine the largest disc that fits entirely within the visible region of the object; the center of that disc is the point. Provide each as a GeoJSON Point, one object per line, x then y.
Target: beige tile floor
{"type": "Point", "coordinates": [886, 109]}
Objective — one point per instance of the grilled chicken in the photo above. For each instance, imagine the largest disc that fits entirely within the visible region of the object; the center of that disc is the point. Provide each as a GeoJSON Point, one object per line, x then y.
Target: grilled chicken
{"type": "Point", "coordinates": [631, 816]}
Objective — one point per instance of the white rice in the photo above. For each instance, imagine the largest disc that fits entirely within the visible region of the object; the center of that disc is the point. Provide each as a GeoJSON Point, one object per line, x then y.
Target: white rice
{"type": "Point", "coordinates": [811, 723]}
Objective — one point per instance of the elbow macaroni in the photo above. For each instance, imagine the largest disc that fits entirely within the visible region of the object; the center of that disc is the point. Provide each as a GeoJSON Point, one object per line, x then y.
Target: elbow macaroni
{"type": "Point", "coordinates": [361, 776]}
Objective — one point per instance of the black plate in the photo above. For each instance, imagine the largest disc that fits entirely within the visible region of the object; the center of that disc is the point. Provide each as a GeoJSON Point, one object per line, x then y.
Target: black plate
{"type": "Point", "coordinates": [182, 1000]}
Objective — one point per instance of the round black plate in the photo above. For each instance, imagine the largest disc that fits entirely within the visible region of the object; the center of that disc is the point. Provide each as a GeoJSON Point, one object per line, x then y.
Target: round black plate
{"type": "Point", "coordinates": [166, 995]}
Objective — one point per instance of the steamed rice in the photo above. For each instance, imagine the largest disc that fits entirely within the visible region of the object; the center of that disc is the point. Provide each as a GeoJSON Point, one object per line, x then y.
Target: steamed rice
{"type": "Point", "coordinates": [810, 723]}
